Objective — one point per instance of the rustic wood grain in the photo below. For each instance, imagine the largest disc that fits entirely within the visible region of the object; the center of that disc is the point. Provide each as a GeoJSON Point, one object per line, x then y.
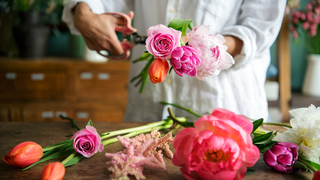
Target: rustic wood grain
{"type": "Point", "coordinates": [94, 168]}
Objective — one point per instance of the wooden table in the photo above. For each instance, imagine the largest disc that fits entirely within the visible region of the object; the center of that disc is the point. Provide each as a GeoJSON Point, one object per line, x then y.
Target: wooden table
{"type": "Point", "coordinates": [46, 133]}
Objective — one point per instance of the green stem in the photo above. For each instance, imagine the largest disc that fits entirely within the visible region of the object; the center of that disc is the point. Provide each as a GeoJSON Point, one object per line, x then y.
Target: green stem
{"type": "Point", "coordinates": [147, 126]}
{"type": "Point", "coordinates": [69, 158]}
{"type": "Point", "coordinates": [277, 124]}
{"type": "Point", "coordinates": [178, 106]}
{"type": "Point", "coordinates": [135, 133]}
{"type": "Point", "coordinates": [307, 164]}
{"type": "Point", "coordinates": [71, 120]}
{"type": "Point", "coordinates": [53, 146]}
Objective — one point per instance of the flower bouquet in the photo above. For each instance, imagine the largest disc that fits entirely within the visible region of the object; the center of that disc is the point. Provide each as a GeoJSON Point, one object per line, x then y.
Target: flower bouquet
{"type": "Point", "coordinates": [306, 23]}
{"type": "Point", "coordinates": [202, 56]}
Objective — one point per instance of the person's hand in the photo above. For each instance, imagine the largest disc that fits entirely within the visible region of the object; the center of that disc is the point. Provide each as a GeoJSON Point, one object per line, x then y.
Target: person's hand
{"type": "Point", "coordinates": [98, 30]}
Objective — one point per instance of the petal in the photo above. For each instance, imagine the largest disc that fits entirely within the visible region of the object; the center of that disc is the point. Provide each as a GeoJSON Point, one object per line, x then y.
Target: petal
{"type": "Point", "coordinates": [285, 159]}
{"type": "Point", "coordinates": [279, 168]}
{"type": "Point", "coordinates": [278, 150]}
{"type": "Point", "coordinates": [177, 53]}
{"type": "Point", "coordinates": [269, 158]}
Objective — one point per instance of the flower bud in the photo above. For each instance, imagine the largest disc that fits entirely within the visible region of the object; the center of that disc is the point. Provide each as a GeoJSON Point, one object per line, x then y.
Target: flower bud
{"type": "Point", "coordinates": [24, 154]}
{"type": "Point", "coordinates": [282, 156]}
{"type": "Point", "coordinates": [53, 171]}
{"type": "Point", "coordinates": [158, 70]}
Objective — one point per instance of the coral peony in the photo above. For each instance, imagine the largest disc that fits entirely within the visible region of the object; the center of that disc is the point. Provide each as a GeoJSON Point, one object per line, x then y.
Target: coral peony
{"type": "Point", "coordinates": [162, 40]}
{"type": "Point", "coordinates": [53, 171]}
{"type": "Point", "coordinates": [219, 147]}
{"type": "Point", "coordinates": [87, 142]}
{"type": "Point", "coordinates": [214, 56]}
{"type": "Point", "coordinates": [185, 60]}
{"type": "Point", "coordinates": [158, 70]}
{"type": "Point", "coordinates": [24, 154]}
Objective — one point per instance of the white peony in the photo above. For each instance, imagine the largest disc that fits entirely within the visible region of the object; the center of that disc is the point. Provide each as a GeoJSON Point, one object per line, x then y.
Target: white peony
{"type": "Point", "coordinates": [305, 132]}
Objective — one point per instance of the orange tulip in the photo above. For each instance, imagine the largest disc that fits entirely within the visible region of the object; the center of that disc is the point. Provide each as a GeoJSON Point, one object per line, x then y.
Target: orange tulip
{"type": "Point", "coordinates": [53, 171]}
{"type": "Point", "coordinates": [24, 154]}
{"type": "Point", "coordinates": [158, 70]}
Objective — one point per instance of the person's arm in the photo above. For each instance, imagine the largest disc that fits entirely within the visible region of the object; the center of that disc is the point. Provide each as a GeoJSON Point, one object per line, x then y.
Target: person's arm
{"type": "Point", "coordinates": [257, 27]}
{"type": "Point", "coordinates": [234, 45]}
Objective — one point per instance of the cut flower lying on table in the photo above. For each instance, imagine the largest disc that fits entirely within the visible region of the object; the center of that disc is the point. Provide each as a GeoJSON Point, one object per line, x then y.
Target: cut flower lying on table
{"type": "Point", "coordinates": [222, 145]}
{"type": "Point", "coordinates": [204, 54]}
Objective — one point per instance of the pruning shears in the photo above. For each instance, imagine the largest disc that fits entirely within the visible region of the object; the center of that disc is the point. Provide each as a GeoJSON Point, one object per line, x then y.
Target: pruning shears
{"type": "Point", "coordinates": [131, 37]}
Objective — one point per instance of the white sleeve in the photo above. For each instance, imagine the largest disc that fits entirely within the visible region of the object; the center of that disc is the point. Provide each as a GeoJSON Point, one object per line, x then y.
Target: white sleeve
{"type": "Point", "coordinates": [97, 7]}
{"type": "Point", "coordinates": [258, 25]}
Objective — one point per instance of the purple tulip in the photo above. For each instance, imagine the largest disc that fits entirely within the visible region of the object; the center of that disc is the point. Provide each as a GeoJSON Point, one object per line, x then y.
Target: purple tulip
{"type": "Point", "coordinates": [282, 156]}
{"type": "Point", "coordinates": [185, 60]}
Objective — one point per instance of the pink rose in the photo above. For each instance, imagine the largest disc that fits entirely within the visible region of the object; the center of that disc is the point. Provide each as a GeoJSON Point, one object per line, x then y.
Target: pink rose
{"type": "Point", "coordinates": [185, 60]}
{"type": "Point", "coordinates": [162, 41]}
{"type": "Point", "coordinates": [213, 53]}
{"type": "Point", "coordinates": [219, 147]}
{"type": "Point", "coordinates": [87, 142]}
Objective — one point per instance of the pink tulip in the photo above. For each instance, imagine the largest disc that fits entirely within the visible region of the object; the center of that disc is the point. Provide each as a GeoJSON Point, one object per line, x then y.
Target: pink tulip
{"type": "Point", "coordinates": [158, 70]}
{"type": "Point", "coordinates": [162, 40]}
{"type": "Point", "coordinates": [53, 171]}
{"type": "Point", "coordinates": [185, 60]}
{"type": "Point", "coordinates": [282, 156]}
{"type": "Point", "coordinates": [218, 147]}
{"type": "Point", "coordinates": [87, 142]}
{"type": "Point", "coordinates": [24, 154]}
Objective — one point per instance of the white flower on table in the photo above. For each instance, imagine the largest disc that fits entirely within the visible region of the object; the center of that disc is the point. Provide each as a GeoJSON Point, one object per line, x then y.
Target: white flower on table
{"type": "Point", "coordinates": [305, 132]}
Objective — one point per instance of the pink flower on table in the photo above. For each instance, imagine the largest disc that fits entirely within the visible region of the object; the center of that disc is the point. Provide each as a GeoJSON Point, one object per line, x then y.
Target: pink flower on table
{"type": "Point", "coordinates": [282, 156]}
{"type": "Point", "coordinates": [162, 40]}
{"type": "Point", "coordinates": [213, 53]}
{"type": "Point", "coordinates": [87, 142]}
{"type": "Point", "coordinates": [218, 147]}
{"type": "Point", "coordinates": [185, 60]}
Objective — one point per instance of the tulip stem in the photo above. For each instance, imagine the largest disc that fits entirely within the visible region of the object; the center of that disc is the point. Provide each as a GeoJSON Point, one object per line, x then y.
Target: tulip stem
{"type": "Point", "coordinates": [277, 124]}
{"type": "Point", "coordinates": [73, 122]}
{"type": "Point", "coordinates": [147, 126]}
{"type": "Point", "coordinates": [178, 106]}
{"type": "Point", "coordinates": [68, 158]}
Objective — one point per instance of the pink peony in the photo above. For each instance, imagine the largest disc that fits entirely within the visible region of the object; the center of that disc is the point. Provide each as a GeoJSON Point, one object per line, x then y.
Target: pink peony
{"type": "Point", "coordinates": [162, 41]}
{"type": "Point", "coordinates": [185, 60]}
{"type": "Point", "coordinates": [219, 147]}
{"type": "Point", "coordinates": [213, 53]}
{"type": "Point", "coordinates": [87, 142]}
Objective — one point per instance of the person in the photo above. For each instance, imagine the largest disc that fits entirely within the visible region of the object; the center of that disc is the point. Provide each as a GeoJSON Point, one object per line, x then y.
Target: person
{"type": "Point", "coordinates": [249, 26]}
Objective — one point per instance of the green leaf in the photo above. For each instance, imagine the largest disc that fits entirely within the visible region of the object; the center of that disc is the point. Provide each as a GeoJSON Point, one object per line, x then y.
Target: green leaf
{"type": "Point", "coordinates": [310, 164]}
{"type": "Point", "coordinates": [262, 138]}
{"type": "Point", "coordinates": [74, 160]}
{"type": "Point", "coordinates": [181, 25]}
{"type": "Point", "coordinates": [61, 148]}
{"type": "Point", "coordinates": [256, 124]}
{"type": "Point", "coordinates": [90, 123]}
{"type": "Point", "coordinates": [300, 165]}
{"type": "Point", "coordinates": [170, 69]}
{"type": "Point", "coordinates": [267, 140]}
{"type": "Point", "coordinates": [266, 146]}
{"type": "Point", "coordinates": [52, 156]}
{"type": "Point", "coordinates": [250, 171]}
{"type": "Point", "coordinates": [187, 124]}
{"type": "Point", "coordinates": [145, 56]}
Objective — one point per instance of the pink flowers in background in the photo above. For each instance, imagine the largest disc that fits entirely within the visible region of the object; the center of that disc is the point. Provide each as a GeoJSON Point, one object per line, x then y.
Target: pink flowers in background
{"type": "Point", "coordinates": [219, 147]}
{"type": "Point", "coordinates": [185, 60]}
{"type": "Point", "coordinates": [87, 141]}
{"type": "Point", "coordinates": [307, 21]}
{"type": "Point", "coordinates": [282, 156]}
{"type": "Point", "coordinates": [162, 41]}
{"type": "Point", "coordinates": [213, 53]}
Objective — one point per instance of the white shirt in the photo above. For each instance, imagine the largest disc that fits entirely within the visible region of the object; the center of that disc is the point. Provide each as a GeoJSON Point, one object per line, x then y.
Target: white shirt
{"type": "Point", "coordinates": [239, 89]}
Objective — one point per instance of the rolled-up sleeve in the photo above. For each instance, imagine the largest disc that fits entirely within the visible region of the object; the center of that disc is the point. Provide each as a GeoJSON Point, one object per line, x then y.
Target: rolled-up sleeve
{"type": "Point", "coordinates": [97, 7]}
{"type": "Point", "coordinates": [257, 26]}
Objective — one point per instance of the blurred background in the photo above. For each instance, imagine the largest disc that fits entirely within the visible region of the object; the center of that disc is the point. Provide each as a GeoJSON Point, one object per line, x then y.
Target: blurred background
{"type": "Point", "coordinates": [46, 71]}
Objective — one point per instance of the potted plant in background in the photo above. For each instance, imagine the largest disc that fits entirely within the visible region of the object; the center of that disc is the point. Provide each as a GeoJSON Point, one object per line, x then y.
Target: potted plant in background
{"type": "Point", "coordinates": [305, 24]}
{"type": "Point", "coordinates": [31, 35]}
